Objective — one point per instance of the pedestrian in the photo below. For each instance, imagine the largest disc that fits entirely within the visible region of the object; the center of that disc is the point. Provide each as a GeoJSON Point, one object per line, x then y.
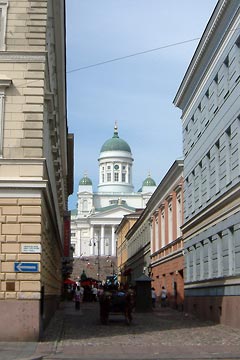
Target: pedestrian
{"type": "Point", "coordinates": [94, 293]}
{"type": "Point", "coordinates": [100, 291]}
{"type": "Point", "coordinates": [77, 298]}
{"type": "Point", "coordinates": [81, 293]}
{"type": "Point", "coordinates": [154, 297]}
{"type": "Point", "coordinates": [163, 297]}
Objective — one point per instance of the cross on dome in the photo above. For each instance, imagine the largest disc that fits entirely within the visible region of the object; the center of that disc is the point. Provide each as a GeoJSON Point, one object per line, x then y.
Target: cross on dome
{"type": "Point", "coordinates": [115, 135]}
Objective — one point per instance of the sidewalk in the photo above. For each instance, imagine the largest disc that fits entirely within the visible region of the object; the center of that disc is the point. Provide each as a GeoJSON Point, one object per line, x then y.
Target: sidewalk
{"type": "Point", "coordinates": [18, 351]}
{"type": "Point", "coordinates": [161, 334]}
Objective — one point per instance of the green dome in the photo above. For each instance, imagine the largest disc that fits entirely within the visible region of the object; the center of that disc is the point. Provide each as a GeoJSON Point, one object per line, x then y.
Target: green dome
{"type": "Point", "coordinates": [85, 181]}
{"type": "Point", "coordinates": [149, 181]}
{"type": "Point", "coordinates": [115, 143]}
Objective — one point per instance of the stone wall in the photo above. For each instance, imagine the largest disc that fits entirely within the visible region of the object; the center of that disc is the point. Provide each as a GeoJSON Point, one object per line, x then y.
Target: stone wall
{"type": "Point", "coordinates": [20, 224]}
{"type": "Point", "coordinates": [34, 179]}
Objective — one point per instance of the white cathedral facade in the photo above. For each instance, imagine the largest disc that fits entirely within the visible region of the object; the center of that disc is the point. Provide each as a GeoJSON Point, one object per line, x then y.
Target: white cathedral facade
{"type": "Point", "coordinates": [94, 221]}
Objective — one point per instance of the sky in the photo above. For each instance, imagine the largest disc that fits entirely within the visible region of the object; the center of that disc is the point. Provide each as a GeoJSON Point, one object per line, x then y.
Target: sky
{"type": "Point", "coordinates": [108, 80]}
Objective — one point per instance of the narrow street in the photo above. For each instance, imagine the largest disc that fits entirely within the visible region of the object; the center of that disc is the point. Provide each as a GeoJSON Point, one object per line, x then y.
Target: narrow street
{"type": "Point", "coordinates": [161, 334]}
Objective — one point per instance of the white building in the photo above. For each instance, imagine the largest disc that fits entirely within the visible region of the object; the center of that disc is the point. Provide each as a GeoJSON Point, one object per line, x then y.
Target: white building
{"type": "Point", "coordinates": [98, 214]}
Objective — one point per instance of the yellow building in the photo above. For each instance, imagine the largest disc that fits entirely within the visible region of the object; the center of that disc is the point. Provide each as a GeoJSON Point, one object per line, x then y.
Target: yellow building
{"type": "Point", "coordinates": [35, 164]}
{"type": "Point", "coordinates": [124, 273]}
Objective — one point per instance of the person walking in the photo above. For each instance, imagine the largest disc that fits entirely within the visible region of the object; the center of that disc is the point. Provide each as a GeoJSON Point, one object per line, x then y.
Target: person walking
{"type": "Point", "coordinates": [163, 297]}
{"type": "Point", "coordinates": [154, 297]}
{"type": "Point", "coordinates": [94, 293]}
{"type": "Point", "coordinates": [77, 298]}
{"type": "Point", "coordinates": [81, 293]}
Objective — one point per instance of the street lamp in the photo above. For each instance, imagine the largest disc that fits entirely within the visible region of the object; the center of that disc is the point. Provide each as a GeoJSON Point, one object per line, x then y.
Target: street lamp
{"type": "Point", "coordinates": [112, 265]}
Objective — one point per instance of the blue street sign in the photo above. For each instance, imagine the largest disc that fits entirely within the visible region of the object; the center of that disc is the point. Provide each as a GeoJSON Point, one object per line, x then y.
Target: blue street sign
{"type": "Point", "coordinates": [26, 267]}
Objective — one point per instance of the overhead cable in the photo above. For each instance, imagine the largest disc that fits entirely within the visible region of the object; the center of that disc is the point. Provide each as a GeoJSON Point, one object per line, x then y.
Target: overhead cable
{"type": "Point", "coordinates": [131, 55]}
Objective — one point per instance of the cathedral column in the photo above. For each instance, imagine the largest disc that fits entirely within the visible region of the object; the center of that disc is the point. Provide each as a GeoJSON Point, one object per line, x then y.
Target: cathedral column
{"type": "Point", "coordinates": [113, 250]}
{"type": "Point", "coordinates": [78, 244]}
{"type": "Point", "coordinates": [100, 175]}
{"type": "Point", "coordinates": [101, 244]}
{"type": "Point", "coordinates": [128, 180]}
{"type": "Point", "coordinates": [120, 174]}
{"type": "Point", "coordinates": [91, 241]}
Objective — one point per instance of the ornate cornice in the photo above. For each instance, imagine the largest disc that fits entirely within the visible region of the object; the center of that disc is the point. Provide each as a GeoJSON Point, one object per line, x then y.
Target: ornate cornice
{"type": "Point", "coordinates": [201, 48]}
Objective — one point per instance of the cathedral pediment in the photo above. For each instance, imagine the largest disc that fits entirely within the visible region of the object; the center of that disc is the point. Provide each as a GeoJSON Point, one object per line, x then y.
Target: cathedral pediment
{"type": "Point", "coordinates": [114, 211]}
{"type": "Point", "coordinates": [85, 193]}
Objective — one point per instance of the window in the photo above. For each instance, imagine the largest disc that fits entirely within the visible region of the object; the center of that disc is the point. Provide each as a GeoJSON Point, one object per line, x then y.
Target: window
{"type": "Point", "coordinates": [217, 166]}
{"type": "Point", "coordinates": [228, 160]}
{"type": "Point", "coordinates": [208, 172]}
{"type": "Point", "coordinates": [234, 64]}
{"type": "Point", "coordinates": [85, 205]}
{"type": "Point", "coordinates": [108, 176]}
{"type": "Point", "coordinates": [179, 213]}
{"type": "Point", "coordinates": [116, 176]}
{"type": "Point", "coordinates": [3, 22]}
{"type": "Point", "coordinates": [162, 226]}
{"type": "Point", "coordinates": [170, 220]}
{"type": "Point", "coordinates": [226, 61]}
{"type": "Point", "coordinates": [123, 177]}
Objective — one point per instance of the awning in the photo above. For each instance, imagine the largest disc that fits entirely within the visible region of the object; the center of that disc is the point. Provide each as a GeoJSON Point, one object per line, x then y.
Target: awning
{"type": "Point", "coordinates": [69, 282]}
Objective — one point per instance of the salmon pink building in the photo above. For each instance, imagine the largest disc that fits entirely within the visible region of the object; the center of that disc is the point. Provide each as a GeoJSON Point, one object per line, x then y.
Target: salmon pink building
{"type": "Point", "coordinates": [154, 243]}
{"type": "Point", "coordinates": [166, 245]}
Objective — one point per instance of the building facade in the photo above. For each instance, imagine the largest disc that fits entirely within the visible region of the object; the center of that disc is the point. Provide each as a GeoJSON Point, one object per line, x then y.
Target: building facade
{"type": "Point", "coordinates": [209, 98]}
{"type": "Point", "coordinates": [154, 243]}
{"type": "Point", "coordinates": [35, 171]}
{"type": "Point", "coordinates": [167, 260]}
{"type": "Point", "coordinates": [94, 222]}
{"type": "Point", "coordinates": [124, 272]}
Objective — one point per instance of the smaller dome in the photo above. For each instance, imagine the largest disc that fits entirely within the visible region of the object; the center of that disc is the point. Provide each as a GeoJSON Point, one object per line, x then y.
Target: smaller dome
{"type": "Point", "coordinates": [149, 181]}
{"type": "Point", "coordinates": [85, 181]}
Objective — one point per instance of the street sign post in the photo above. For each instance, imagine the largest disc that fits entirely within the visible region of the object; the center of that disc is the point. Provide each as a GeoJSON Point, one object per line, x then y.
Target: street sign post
{"type": "Point", "coordinates": [26, 267]}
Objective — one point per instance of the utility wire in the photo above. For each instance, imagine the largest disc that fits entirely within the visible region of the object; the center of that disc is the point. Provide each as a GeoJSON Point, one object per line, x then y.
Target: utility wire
{"type": "Point", "coordinates": [126, 56]}
{"type": "Point", "coordinates": [131, 55]}
{"type": "Point", "coordinates": [122, 58]}
{"type": "Point", "coordinates": [136, 54]}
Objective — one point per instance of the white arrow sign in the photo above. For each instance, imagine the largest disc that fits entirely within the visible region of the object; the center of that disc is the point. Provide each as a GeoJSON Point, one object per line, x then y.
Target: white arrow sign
{"type": "Point", "coordinates": [26, 267]}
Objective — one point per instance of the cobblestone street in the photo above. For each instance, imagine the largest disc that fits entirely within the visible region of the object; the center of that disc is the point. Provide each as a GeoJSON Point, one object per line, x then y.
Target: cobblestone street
{"type": "Point", "coordinates": [162, 334]}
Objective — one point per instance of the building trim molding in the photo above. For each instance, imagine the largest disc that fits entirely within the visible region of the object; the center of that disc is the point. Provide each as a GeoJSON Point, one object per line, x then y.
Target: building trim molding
{"type": "Point", "coordinates": [22, 57]}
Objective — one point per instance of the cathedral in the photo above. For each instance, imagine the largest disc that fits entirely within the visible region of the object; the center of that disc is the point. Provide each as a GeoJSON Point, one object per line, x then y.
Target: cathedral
{"type": "Point", "coordinates": [94, 221]}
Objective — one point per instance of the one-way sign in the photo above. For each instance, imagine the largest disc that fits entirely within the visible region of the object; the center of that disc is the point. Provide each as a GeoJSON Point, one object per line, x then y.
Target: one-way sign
{"type": "Point", "coordinates": [26, 267]}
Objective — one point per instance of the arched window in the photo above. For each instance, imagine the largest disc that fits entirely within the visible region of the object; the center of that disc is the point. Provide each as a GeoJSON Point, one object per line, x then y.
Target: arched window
{"type": "Point", "coordinates": [85, 205]}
